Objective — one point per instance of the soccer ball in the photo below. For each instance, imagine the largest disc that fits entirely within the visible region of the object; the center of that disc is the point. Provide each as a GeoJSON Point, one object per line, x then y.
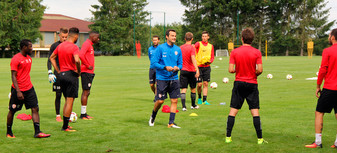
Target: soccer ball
{"type": "Point", "coordinates": [73, 117]}
{"type": "Point", "coordinates": [289, 77]}
{"type": "Point", "coordinates": [269, 76]}
{"type": "Point", "coordinates": [214, 85]}
{"type": "Point", "coordinates": [225, 80]}
{"type": "Point", "coordinates": [220, 59]}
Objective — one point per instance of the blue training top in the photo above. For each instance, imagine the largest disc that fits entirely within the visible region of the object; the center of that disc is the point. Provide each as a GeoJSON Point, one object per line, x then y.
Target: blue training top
{"type": "Point", "coordinates": [151, 52]}
{"type": "Point", "coordinates": [167, 55]}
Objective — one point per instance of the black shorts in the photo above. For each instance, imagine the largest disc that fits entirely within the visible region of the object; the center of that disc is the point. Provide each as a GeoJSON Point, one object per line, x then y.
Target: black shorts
{"type": "Point", "coordinates": [152, 76]}
{"type": "Point", "coordinates": [327, 101]}
{"type": "Point", "coordinates": [69, 83]}
{"type": "Point", "coordinates": [172, 87]}
{"type": "Point", "coordinates": [30, 100]}
{"type": "Point", "coordinates": [57, 83]}
{"type": "Point", "coordinates": [242, 91]}
{"type": "Point", "coordinates": [205, 74]}
{"type": "Point", "coordinates": [86, 79]}
{"type": "Point", "coordinates": [187, 78]}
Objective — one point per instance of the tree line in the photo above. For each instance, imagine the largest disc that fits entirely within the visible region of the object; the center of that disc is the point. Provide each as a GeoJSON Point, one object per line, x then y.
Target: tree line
{"type": "Point", "coordinates": [287, 25]}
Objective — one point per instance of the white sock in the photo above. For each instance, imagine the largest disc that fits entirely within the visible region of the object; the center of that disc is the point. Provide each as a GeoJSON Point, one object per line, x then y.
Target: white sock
{"type": "Point", "coordinates": [318, 140]}
{"type": "Point", "coordinates": [336, 140]}
{"type": "Point", "coordinates": [83, 109]}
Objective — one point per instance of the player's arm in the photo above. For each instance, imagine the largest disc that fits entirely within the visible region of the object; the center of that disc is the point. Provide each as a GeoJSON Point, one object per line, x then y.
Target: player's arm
{"type": "Point", "coordinates": [231, 68]}
{"type": "Point", "coordinates": [78, 63]}
{"type": "Point", "coordinates": [53, 62]}
{"type": "Point", "coordinates": [51, 76]}
{"type": "Point", "coordinates": [82, 56]}
{"type": "Point", "coordinates": [148, 53]}
{"type": "Point", "coordinates": [194, 61]}
{"type": "Point", "coordinates": [180, 63]}
{"type": "Point", "coordinates": [322, 72]}
{"type": "Point", "coordinates": [212, 57]}
{"type": "Point", "coordinates": [16, 85]}
{"type": "Point", "coordinates": [259, 69]}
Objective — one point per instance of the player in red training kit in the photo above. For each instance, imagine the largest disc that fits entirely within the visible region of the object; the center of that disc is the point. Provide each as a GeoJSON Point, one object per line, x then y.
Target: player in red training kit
{"type": "Point", "coordinates": [87, 68]}
{"type": "Point", "coordinates": [69, 60]}
{"type": "Point", "coordinates": [22, 92]}
{"type": "Point", "coordinates": [248, 65]}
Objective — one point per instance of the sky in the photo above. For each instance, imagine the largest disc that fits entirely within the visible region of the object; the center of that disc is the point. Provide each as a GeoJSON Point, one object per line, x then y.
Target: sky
{"type": "Point", "coordinates": [173, 9]}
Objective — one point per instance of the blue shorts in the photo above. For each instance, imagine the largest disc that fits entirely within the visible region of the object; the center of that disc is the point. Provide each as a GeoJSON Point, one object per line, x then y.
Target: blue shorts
{"type": "Point", "coordinates": [152, 76]}
{"type": "Point", "coordinates": [172, 87]}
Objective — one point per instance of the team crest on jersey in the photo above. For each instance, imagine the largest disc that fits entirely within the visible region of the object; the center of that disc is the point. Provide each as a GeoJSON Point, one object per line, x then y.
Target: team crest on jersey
{"type": "Point", "coordinates": [176, 52]}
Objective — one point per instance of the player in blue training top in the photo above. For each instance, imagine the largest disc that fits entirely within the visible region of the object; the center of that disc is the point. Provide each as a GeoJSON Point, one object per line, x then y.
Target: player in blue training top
{"type": "Point", "coordinates": [168, 61]}
{"type": "Point", "coordinates": [152, 71]}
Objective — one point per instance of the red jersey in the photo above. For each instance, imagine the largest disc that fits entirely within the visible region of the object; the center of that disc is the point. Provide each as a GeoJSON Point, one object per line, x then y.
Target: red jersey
{"type": "Point", "coordinates": [197, 46]}
{"type": "Point", "coordinates": [187, 52]}
{"type": "Point", "coordinates": [328, 70]}
{"type": "Point", "coordinates": [87, 56]}
{"type": "Point", "coordinates": [65, 52]}
{"type": "Point", "coordinates": [22, 65]}
{"type": "Point", "coordinates": [245, 59]}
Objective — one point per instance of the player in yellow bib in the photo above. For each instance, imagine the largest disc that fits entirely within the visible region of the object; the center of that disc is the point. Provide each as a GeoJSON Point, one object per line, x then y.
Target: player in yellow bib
{"type": "Point", "coordinates": [204, 57]}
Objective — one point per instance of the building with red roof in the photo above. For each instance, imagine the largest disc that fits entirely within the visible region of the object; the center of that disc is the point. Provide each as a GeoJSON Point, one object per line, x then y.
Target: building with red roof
{"type": "Point", "coordinates": [50, 26]}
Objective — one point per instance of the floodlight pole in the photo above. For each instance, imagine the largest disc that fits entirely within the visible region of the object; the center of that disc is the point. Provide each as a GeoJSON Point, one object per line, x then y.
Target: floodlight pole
{"type": "Point", "coordinates": [150, 29]}
{"type": "Point", "coordinates": [237, 33]}
{"type": "Point", "coordinates": [164, 29]}
{"type": "Point", "coordinates": [134, 33]}
{"type": "Point", "coordinates": [164, 22]}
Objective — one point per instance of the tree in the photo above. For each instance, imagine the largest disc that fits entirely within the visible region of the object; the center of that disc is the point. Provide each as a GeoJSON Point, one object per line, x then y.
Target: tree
{"type": "Point", "coordinates": [113, 19]}
{"type": "Point", "coordinates": [20, 19]}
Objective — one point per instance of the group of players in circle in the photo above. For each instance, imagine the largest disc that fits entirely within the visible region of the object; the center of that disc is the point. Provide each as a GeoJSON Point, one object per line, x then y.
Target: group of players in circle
{"type": "Point", "coordinates": [193, 61]}
{"type": "Point", "coordinates": [69, 63]}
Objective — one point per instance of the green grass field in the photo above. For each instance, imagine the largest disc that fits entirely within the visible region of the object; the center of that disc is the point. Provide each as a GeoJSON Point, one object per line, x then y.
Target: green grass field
{"type": "Point", "coordinates": [121, 102]}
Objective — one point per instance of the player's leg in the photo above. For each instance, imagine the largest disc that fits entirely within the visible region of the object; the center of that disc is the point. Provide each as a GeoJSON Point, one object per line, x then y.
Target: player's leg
{"type": "Point", "coordinates": [152, 81]}
{"type": "Point", "coordinates": [324, 105]}
{"type": "Point", "coordinates": [160, 96]}
{"type": "Point", "coordinates": [183, 86]}
{"type": "Point", "coordinates": [193, 83]}
{"type": "Point", "coordinates": [58, 105]}
{"type": "Point", "coordinates": [335, 144]}
{"type": "Point", "coordinates": [199, 84]}
{"type": "Point", "coordinates": [236, 104]}
{"type": "Point", "coordinates": [183, 98]}
{"type": "Point", "coordinates": [174, 93]}
{"type": "Point", "coordinates": [13, 107]}
{"type": "Point", "coordinates": [206, 78]}
{"type": "Point", "coordinates": [69, 86]}
{"type": "Point", "coordinates": [68, 107]}
{"type": "Point", "coordinates": [86, 79]}
{"type": "Point", "coordinates": [10, 117]}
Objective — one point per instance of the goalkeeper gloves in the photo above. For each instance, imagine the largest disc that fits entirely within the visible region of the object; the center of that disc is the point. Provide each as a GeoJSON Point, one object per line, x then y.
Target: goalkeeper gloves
{"type": "Point", "coordinates": [52, 77]}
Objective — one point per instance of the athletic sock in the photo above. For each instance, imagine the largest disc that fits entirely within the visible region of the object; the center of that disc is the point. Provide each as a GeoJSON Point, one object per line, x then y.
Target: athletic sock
{"type": "Point", "coordinates": [37, 127]}
{"type": "Point", "coordinates": [204, 98]}
{"type": "Point", "coordinates": [9, 129]}
{"type": "Point", "coordinates": [65, 122]}
{"type": "Point", "coordinates": [336, 140]}
{"type": "Point", "coordinates": [83, 109]}
{"type": "Point", "coordinates": [183, 99]}
{"type": "Point", "coordinates": [193, 99]}
{"type": "Point", "coordinates": [230, 124]}
{"type": "Point", "coordinates": [318, 139]}
{"type": "Point", "coordinates": [172, 117]}
{"type": "Point", "coordinates": [58, 102]}
{"type": "Point", "coordinates": [199, 95]}
{"type": "Point", "coordinates": [257, 125]}
{"type": "Point", "coordinates": [154, 114]}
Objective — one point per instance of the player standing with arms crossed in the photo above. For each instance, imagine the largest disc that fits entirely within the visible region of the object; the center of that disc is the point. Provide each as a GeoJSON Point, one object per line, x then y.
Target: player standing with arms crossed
{"type": "Point", "coordinates": [53, 77]}
{"type": "Point", "coordinates": [22, 91]}
{"type": "Point", "coordinates": [167, 61]}
{"type": "Point", "coordinates": [152, 71]}
{"type": "Point", "coordinates": [328, 96]}
{"type": "Point", "coordinates": [205, 56]}
{"type": "Point", "coordinates": [87, 56]}
{"type": "Point", "coordinates": [190, 72]}
{"type": "Point", "coordinates": [69, 71]}
{"type": "Point", "coordinates": [248, 65]}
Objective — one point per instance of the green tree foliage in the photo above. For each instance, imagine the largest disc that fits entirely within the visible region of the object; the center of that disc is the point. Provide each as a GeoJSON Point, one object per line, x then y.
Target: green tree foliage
{"type": "Point", "coordinates": [286, 24]}
{"type": "Point", "coordinates": [19, 19]}
{"type": "Point", "coordinates": [113, 19]}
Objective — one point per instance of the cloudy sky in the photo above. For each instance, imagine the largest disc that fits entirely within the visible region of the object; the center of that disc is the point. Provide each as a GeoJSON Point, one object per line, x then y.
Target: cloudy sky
{"type": "Point", "coordinates": [172, 8]}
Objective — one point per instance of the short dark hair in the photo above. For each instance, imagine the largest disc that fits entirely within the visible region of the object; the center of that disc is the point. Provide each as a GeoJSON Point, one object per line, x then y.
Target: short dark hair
{"type": "Point", "coordinates": [188, 36]}
{"type": "Point", "coordinates": [93, 32]}
{"type": "Point", "coordinates": [334, 33]}
{"type": "Point", "coordinates": [63, 30]}
{"type": "Point", "coordinates": [205, 32]}
{"type": "Point", "coordinates": [156, 36]}
{"type": "Point", "coordinates": [24, 42]}
{"type": "Point", "coordinates": [74, 31]}
{"type": "Point", "coordinates": [248, 35]}
{"type": "Point", "coordinates": [168, 32]}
